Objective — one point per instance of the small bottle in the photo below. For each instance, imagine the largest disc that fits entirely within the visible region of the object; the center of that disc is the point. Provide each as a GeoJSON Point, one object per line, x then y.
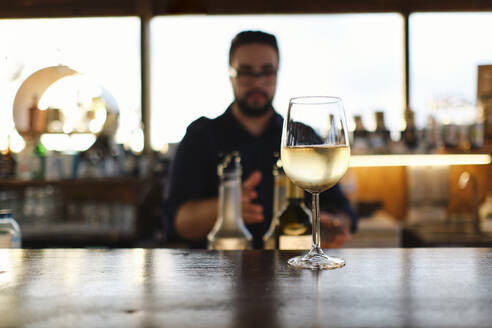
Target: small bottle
{"type": "Point", "coordinates": [476, 135]}
{"type": "Point", "coordinates": [229, 231]}
{"type": "Point", "coordinates": [485, 103]}
{"type": "Point", "coordinates": [38, 169]}
{"type": "Point", "coordinates": [361, 137]}
{"type": "Point", "coordinates": [409, 135]}
{"type": "Point", "coordinates": [294, 228]}
{"type": "Point", "coordinates": [380, 138]}
{"type": "Point", "coordinates": [432, 135]}
{"type": "Point", "coordinates": [7, 164]}
{"type": "Point", "coordinates": [450, 135]}
{"type": "Point", "coordinates": [25, 161]}
{"type": "Point", "coordinates": [10, 234]}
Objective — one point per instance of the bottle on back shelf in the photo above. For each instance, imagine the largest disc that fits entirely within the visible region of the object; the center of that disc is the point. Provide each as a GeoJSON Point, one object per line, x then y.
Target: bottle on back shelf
{"type": "Point", "coordinates": [7, 164]}
{"type": "Point", "coordinates": [38, 168]}
{"type": "Point", "coordinates": [360, 137]}
{"type": "Point", "coordinates": [409, 135]}
{"type": "Point", "coordinates": [450, 135]}
{"type": "Point", "coordinates": [432, 137]}
{"type": "Point", "coordinates": [380, 138]}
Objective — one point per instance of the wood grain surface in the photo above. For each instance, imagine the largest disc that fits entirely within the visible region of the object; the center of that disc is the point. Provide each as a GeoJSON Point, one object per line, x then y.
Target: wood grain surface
{"type": "Point", "coordinates": [439, 287]}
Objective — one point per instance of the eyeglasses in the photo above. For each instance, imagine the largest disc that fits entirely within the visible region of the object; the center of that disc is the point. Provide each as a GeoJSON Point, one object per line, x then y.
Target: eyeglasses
{"type": "Point", "coordinates": [247, 77]}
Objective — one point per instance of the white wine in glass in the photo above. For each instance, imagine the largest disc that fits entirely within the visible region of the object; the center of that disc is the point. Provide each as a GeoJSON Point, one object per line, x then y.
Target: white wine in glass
{"type": "Point", "coordinates": [315, 154]}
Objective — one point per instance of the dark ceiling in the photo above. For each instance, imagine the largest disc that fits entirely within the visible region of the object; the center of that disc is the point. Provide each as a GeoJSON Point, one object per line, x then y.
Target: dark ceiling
{"type": "Point", "coordinates": [78, 8]}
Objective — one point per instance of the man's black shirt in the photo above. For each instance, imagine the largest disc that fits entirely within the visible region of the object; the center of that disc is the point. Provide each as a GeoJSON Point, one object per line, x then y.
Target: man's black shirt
{"type": "Point", "coordinates": [193, 173]}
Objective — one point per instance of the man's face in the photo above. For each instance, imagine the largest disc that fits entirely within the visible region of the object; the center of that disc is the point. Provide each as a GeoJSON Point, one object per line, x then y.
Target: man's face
{"type": "Point", "coordinates": [253, 74]}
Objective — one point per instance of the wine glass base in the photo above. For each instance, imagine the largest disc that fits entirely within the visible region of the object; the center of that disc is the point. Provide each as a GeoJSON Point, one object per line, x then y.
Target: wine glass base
{"type": "Point", "coordinates": [316, 260]}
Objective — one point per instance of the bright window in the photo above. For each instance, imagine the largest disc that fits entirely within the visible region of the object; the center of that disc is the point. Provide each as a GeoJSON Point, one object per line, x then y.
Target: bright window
{"type": "Point", "coordinates": [357, 57]}
{"type": "Point", "coordinates": [445, 50]}
{"type": "Point", "coordinates": [105, 49]}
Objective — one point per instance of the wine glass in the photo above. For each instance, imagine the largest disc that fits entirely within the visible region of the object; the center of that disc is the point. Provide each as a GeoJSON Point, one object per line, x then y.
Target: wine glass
{"type": "Point", "coordinates": [315, 155]}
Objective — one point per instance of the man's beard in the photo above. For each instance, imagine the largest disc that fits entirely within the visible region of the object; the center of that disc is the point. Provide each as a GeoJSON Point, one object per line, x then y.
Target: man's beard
{"type": "Point", "coordinates": [253, 111]}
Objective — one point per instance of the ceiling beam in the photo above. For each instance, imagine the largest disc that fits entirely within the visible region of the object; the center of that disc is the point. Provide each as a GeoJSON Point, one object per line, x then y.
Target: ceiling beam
{"type": "Point", "coordinates": [86, 8]}
{"type": "Point", "coordinates": [314, 6]}
{"type": "Point", "coordinates": [67, 8]}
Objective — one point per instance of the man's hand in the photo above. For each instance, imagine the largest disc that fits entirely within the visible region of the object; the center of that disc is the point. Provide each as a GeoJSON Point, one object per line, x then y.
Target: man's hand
{"type": "Point", "coordinates": [335, 230]}
{"type": "Point", "coordinates": [252, 213]}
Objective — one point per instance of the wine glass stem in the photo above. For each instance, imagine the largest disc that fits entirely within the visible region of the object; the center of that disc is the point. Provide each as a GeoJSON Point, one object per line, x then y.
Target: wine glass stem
{"type": "Point", "coordinates": [316, 228]}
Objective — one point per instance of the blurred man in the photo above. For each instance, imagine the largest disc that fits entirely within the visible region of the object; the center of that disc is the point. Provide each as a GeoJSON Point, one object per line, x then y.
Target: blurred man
{"type": "Point", "coordinates": [251, 126]}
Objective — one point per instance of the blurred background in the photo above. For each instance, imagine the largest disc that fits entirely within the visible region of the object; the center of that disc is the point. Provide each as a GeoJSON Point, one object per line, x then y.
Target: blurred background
{"type": "Point", "coordinates": [95, 96]}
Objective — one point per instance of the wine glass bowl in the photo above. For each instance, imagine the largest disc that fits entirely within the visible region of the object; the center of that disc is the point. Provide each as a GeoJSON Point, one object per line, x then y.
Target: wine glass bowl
{"type": "Point", "coordinates": [315, 154]}
{"type": "Point", "coordinates": [315, 168]}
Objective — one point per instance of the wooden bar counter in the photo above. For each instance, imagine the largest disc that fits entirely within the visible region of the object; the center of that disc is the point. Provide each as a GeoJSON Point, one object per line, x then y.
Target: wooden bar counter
{"type": "Point", "coordinates": [424, 287]}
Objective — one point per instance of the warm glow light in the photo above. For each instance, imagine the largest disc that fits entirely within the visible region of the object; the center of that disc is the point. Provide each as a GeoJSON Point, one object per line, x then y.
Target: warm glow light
{"type": "Point", "coordinates": [69, 91]}
{"type": "Point", "coordinates": [67, 128]}
{"type": "Point", "coordinates": [58, 142]}
{"type": "Point", "coordinates": [137, 141]}
{"type": "Point", "coordinates": [81, 141]}
{"type": "Point", "coordinates": [419, 160]}
{"type": "Point", "coordinates": [65, 142]}
{"type": "Point", "coordinates": [17, 143]}
{"type": "Point", "coordinates": [4, 142]}
{"type": "Point", "coordinates": [96, 125]}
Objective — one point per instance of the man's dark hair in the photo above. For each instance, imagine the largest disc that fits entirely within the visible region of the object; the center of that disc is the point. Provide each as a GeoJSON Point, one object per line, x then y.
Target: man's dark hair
{"type": "Point", "coordinates": [248, 37]}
